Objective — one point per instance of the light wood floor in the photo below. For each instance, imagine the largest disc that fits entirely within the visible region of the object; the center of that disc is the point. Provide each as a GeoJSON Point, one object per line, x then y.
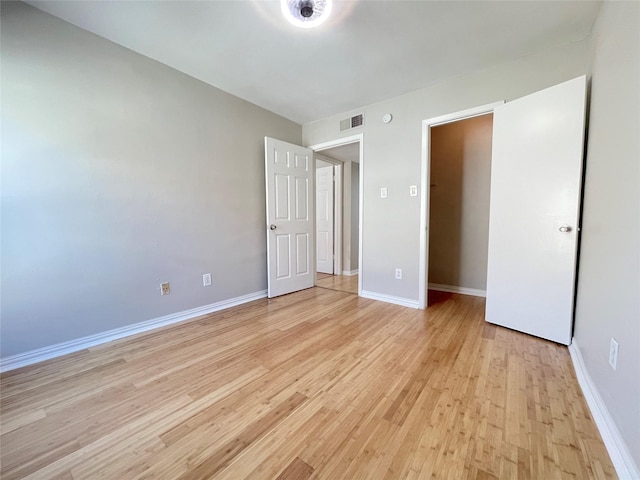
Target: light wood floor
{"type": "Point", "coordinates": [316, 384]}
{"type": "Point", "coordinates": [342, 283]}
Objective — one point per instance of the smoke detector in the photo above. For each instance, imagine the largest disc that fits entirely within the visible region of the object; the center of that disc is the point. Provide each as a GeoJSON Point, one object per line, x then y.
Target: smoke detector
{"type": "Point", "coordinates": [306, 13]}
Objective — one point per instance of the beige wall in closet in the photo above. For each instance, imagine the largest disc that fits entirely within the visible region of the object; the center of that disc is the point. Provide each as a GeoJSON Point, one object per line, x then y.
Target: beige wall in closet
{"type": "Point", "coordinates": [459, 203]}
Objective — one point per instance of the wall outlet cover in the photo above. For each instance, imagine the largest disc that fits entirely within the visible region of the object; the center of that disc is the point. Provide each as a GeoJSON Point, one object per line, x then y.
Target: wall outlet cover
{"type": "Point", "coordinates": [206, 279]}
{"type": "Point", "coordinates": [165, 289]}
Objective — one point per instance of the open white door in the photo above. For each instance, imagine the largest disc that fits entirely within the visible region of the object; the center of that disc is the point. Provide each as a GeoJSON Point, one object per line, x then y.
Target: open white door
{"type": "Point", "coordinates": [324, 219]}
{"type": "Point", "coordinates": [290, 194]}
{"type": "Point", "coordinates": [536, 178]}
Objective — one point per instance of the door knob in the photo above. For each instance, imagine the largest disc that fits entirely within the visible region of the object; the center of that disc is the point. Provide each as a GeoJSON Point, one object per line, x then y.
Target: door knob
{"type": "Point", "coordinates": [272, 227]}
{"type": "Point", "coordinates": [565, 229]}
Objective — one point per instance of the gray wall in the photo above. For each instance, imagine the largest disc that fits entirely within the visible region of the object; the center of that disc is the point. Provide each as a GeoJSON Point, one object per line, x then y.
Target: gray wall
{"type": "Point", "coordinates": [459, 202]}
{"type": "Point", "coordinates": [608, 302]}
{"type": "Point", "coordinates": [392, 154]}
{"type": "Point", "coordinates": [119, 173]}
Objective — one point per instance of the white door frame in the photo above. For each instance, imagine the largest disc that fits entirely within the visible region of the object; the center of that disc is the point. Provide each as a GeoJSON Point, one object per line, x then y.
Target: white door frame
{"type": "Point", "coordinates": [337, 143]}
{"type": "Point", "coordinates": [425, 175]}
{"type": "Point", "coordinates": [337, 211]}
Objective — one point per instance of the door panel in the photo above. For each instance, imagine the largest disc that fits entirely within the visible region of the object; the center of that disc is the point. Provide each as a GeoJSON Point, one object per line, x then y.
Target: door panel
{"type": "Point", "coordinates": [289, 195]}
{"type": "Point", "coordinates": [282, 197]}
{"type": "Point", "coordinates": [302, 251]}
{"type": "Point", "coordinates": [536, 176]}
{"type": "Point", "coordinates": [302, 198]}
{"type": "Point", "coordinates": [324, 219]}
{"type": "Point", "coordinates": [283, 245]}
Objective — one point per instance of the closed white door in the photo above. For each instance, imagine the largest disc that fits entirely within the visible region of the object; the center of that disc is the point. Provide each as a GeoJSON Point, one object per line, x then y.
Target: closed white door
{"type": "Point", "coordinates": [289, 198]}
{"type": "Point", "coordinates": [324, 219]}
{"type": "Point", "coordinates": [536, 178]}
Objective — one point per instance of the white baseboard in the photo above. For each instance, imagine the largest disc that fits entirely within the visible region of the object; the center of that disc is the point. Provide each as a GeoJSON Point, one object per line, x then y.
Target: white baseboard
{"type": "Point", "coordinates": [350, 273]}
{"type": "Point", "coordinates": [617, 448]}
{"type": "Point", "coordinates": [405, 302]}
{"type": "Point", "coordinates": [463, 290]}
{"type": "Point", "coordinates": [59, 349]}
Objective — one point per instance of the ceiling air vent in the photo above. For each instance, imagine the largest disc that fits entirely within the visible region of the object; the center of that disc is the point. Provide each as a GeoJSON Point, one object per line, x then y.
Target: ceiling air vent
{"type": "Point", "coordinates": [355, 121]}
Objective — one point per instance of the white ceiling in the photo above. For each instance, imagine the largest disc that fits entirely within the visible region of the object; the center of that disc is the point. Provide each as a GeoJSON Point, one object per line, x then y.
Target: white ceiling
{"type": "Point", "coordinates": [366, 52]}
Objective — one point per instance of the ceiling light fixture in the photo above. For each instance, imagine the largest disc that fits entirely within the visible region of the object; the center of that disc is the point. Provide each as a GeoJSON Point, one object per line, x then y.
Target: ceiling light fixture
{"type": "Point", "coordinates": [306, 13]}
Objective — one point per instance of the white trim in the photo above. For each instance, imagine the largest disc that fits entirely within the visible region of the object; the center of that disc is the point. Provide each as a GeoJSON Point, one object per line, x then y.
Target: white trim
{"type": "Point", "coordinates": [381, 297]}
{"type": "Point", "coordinates": [337, 217]}
{"type": "Point", "coordinates": [617, 448]}
{"type": "Point", "coordinates": [337, 143]}
{"type": "Point", "coordinates": [454, 289]}
{"type": "Point", "coordinates": [463, 114]}
{"type": "Point", "coordinates": [360, 211]}
{"type": "Point", "coordinates": [425, 189]}
{"type": "Point", "coordinates": [423, 255]}
{"type": "Point", "coordinates": [350, 273]}
{"type": "Point", "coordinates": [59, 349]}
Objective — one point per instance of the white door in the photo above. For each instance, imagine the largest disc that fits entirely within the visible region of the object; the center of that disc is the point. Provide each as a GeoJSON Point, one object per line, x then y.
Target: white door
{"type": "Point", "coordinates": [536, 178]}
{"type": "Point", "coordinates": [290, 194]}
{"type": "Point", "coordinates": [324, 219]}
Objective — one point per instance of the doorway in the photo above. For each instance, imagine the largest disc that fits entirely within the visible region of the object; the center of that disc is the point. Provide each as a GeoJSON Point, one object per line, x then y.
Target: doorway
{"type": "Point", "coordinates": [454, 203]}
{"type": "Point", "coordinates": [460, 182]}
{"type": "Point", "coordinates": [344, 156]}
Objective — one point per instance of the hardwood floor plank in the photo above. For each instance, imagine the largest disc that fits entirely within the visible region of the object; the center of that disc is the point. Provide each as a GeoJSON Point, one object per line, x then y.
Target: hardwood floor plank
{"type": "Point", "coordinates": [343, 283]}
{"type": "Point", "coordinates": [226, 453]}
{"type": "Point", "coordinates": [116, 444]}
{"type": "Point", "coordinates": [20, 466]}
{"type": "Point", "coordinates": [18, 420]}
{"type": "Point", "coordinates": [268, 455]}
{"type": "Point", "coordinates": [317, 384]}
{"type": "Point", "coordinates": [297, 470]}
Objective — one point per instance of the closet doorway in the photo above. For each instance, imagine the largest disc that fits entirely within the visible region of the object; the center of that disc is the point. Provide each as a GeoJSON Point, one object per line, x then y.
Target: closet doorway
{"type": "Point", "coordinates": [460, 183]}
{"type": "Point", "coordinates": [534, 219]}
{"type": "Point", "coordinates": [456, 170]}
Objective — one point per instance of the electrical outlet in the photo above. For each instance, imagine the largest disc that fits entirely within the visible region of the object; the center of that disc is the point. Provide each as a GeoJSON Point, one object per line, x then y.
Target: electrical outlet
{"type": "Point", "coordinates": [383, 192]}
{"type": "Point", "coordinates": [398, 274]}
{"type": "Point", "coordinates": [206, 279]}
{"type": "Point", "coordinates": [165, 289]}
{"type": "Point", "coordinates": [613, 353]}
{"type": "Point", "coordinates": [413, 190]}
